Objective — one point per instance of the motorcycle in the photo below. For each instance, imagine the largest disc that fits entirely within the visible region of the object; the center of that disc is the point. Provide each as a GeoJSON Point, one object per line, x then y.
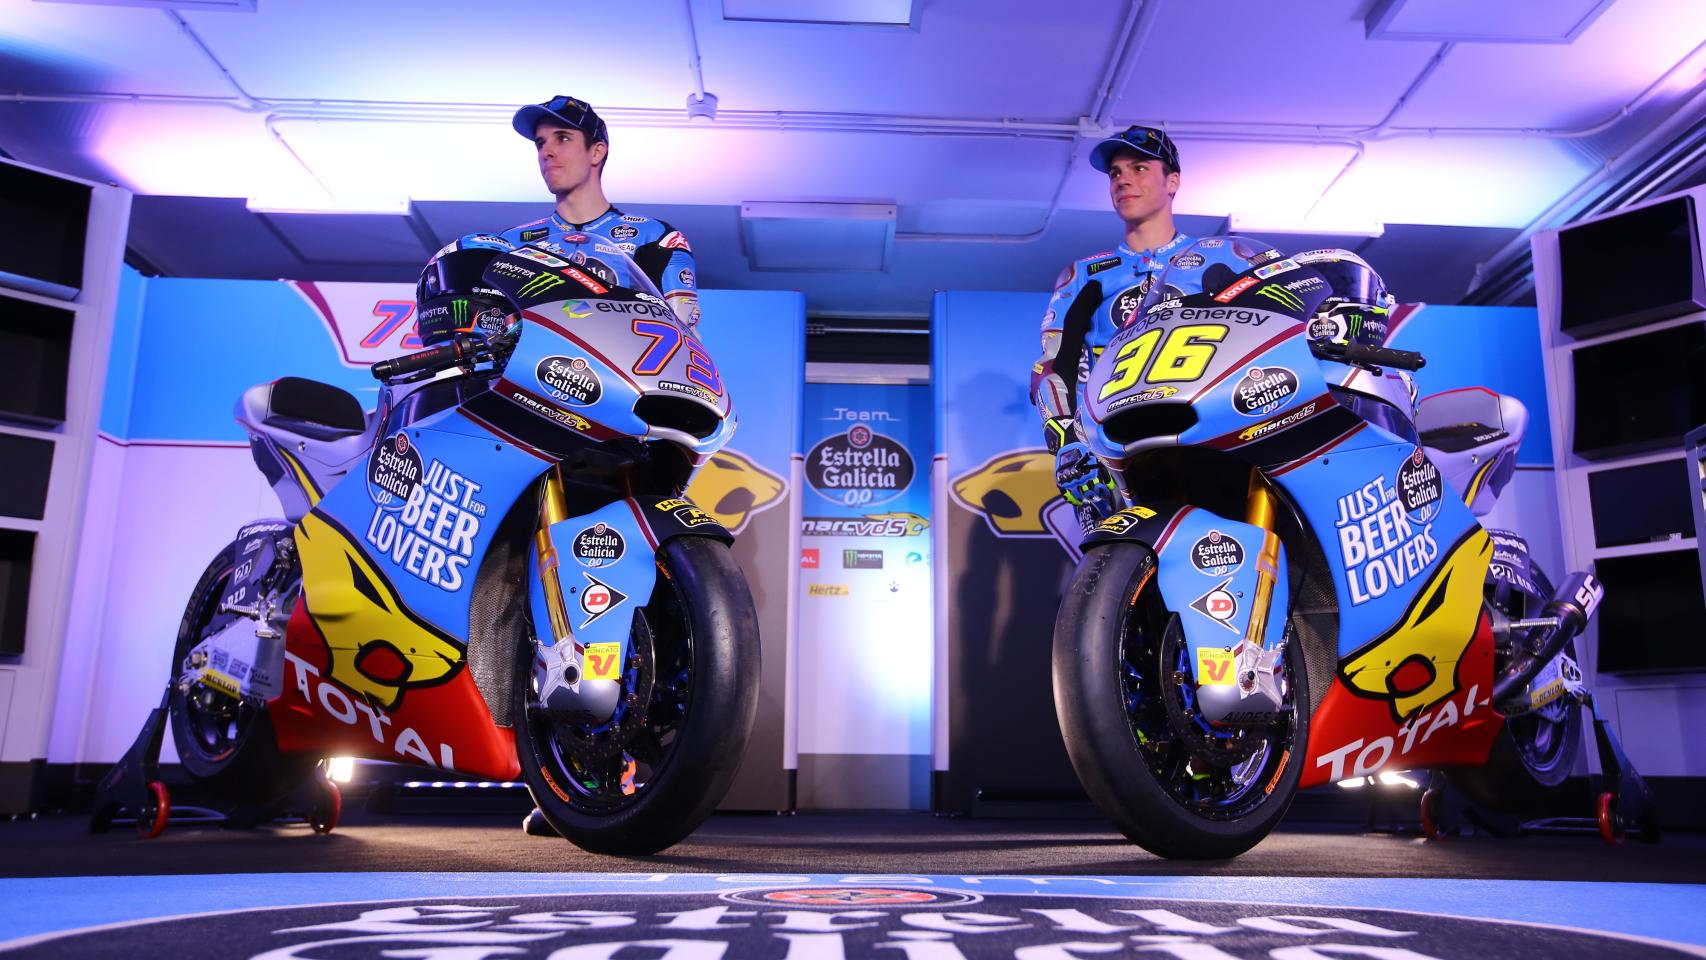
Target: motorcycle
{"type": "Point", "coordinates": [1302, 591]}
{"type": "Point", "coordinates": [494, 572]}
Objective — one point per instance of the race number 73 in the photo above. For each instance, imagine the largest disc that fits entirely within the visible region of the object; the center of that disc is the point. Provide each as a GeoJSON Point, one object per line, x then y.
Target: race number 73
{"type": "Point", "coordinates": [1183, 357]}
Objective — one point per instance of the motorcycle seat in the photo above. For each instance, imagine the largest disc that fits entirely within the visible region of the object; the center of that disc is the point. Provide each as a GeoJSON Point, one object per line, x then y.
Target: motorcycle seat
{"type": "Point", "coordinates": [1458, 437]}
{"type": "Point", "coordinates": [308, 408]}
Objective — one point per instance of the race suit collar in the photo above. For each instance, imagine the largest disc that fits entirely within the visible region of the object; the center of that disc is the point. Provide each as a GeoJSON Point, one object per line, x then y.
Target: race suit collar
{"type": "Point", "coordinates": [561, 224]}
{"type": "Point", "coordinates": [1178, 238]}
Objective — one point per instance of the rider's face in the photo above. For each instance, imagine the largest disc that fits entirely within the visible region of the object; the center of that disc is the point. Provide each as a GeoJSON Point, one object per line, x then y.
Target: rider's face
{"type": "Point", "coordinates": [565, 161]}
{"type": "Point", "coordinates": [1140, 186]}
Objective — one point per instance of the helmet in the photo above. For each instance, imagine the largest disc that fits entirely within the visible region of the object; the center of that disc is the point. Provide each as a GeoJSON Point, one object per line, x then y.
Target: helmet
{"type": "Point", "coordinates": [451, 294]}
{"type": "Point", "coordinates": [1357, 306]}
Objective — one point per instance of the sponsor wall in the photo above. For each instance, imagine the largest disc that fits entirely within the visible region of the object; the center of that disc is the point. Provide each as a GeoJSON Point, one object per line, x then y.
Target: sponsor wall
{"type": "Point", "coordinates": [865, 650]}
{"type": "Point", "coordinates": [175, 478]}
{"type": "Point", "coordinates": [1005, 540]}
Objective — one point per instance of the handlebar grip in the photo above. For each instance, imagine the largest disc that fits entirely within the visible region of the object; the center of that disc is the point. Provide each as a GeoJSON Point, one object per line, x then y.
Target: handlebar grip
{"type": "Point", "coordinates": [1384, 357]}
{"type": "Point", "coordinates": [439, 356]}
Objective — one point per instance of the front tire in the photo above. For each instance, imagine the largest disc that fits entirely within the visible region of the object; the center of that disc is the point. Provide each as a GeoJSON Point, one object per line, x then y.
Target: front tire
{"type": "Point", "coordinates": [1187, 791]}
{"type": "Point", "coordinates": [637, 788]}
{"type": "Point", "coordinates": [225, 745]}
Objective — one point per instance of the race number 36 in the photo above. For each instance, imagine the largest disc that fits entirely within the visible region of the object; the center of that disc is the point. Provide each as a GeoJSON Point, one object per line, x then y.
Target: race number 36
{"type": "Point", "coordinates": [1182, 358]}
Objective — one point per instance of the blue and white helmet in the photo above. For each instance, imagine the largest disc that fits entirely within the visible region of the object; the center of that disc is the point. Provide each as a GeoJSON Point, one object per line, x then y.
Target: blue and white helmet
{"type": "Point", "coordinates": [1358, 305]}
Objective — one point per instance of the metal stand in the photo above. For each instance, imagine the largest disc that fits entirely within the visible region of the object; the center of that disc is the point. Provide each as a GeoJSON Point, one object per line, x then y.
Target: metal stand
{"type": "Point", "coordinates": [1622, 803]}
{"type": "Point", "coordinates": [132, 790]}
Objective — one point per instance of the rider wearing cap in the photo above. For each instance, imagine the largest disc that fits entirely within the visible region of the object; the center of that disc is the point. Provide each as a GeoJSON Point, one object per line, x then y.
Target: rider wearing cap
{"type": "Point", "coordinates": [1098, 295]}
{"type": "Point", "coordinates": [605, 243]}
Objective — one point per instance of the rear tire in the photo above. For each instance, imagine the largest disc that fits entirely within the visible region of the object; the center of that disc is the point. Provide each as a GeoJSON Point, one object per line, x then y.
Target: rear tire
{"type": "Point", "coordinates": [1533, 753]}
{"type": "Point", "coordinates": [227, 747]}
{"type": "Point", "coordinates": [703, 634]}
{"type": "Point", "coordinates": [1154, 781]}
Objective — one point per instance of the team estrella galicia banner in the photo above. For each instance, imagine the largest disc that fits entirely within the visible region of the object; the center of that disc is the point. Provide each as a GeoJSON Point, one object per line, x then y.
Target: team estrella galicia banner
{"type": "Point", "coordinates": [184, 480]}
{"type": "Point", "coordinates": [1007, 540]}
{"type": "Point", "coordinates": [865, 584]}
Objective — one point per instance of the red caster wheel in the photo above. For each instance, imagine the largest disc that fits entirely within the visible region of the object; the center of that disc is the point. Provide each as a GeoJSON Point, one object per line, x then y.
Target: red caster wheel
{"type": "Point", "coordinates": [1430, 815]}
{"type": "Point", "coordinates": [156, 809]}
{"type": "Point", "coordinates": [328, 805]}
{"type": "Point", "coordinates": [1611, 826]}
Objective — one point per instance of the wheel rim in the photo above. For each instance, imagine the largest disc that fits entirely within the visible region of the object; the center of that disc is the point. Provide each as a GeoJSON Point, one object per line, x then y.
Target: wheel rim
{"type": "Point", "coordinates": [215, 724]}
{"type": "Point", "coordinates": [1542, 737]}
{"type": "Point", "coordinates": [1215, 773]}
{"type": "Point", "coordinates": [602, 768]}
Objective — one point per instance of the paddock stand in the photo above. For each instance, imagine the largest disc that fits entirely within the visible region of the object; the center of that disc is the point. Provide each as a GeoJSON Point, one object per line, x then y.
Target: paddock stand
{"type": "Point", "coordinates": [1622, 803]}
{"type": "Point", "coordinates": [132, 790]}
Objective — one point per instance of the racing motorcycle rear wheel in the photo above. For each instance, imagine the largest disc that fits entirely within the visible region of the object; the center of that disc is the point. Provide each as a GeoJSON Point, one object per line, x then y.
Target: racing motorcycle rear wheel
{"type": "Point", "coordinates": [1172, 782]}
{"type": "Point", "coordinates": [653, 773]}
{"type": "Point", "coordinates": [225, 745]}
{"type": "Point", "coordinates": [1532, 753]}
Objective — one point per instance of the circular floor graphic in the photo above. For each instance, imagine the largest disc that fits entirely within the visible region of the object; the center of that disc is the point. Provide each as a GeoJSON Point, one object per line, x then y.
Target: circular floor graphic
{"type": "Point", "coordinates": [831, 923]}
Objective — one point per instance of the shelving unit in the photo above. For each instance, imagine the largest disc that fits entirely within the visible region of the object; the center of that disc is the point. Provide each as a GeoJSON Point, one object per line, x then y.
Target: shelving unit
{"type": "Point", "coordinates": [50, 405]}
{"type": "Point", "coordinates": [1644, 664]}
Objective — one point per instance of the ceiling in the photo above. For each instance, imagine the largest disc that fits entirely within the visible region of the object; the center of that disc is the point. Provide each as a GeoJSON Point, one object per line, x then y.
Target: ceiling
{"type": "Point", "coordinates": [1456, 126]}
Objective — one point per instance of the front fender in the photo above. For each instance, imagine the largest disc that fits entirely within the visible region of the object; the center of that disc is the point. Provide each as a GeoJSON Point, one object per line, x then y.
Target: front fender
{"type": "Point", "coordinates": [1227, 582]}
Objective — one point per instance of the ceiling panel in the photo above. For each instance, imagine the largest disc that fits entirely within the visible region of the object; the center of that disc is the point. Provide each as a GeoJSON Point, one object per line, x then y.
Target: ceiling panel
{"type": "Point", "coordinates": [51, 47]}
{"type": "Point", "coordinates": [1212, 61]}
{"type": "Point", "coordinates": [629, 54]}
{"type": "Point", "coordinates": [992, 59]}
{"type": "Point", "coordinates": [1542, 86]}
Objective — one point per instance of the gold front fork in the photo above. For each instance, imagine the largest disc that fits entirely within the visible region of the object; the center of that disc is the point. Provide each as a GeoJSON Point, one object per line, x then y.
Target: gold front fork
{"type": "Point", "coordinates": [553, 508]}
{"type": "Point", "coordinates": [1259, 511]}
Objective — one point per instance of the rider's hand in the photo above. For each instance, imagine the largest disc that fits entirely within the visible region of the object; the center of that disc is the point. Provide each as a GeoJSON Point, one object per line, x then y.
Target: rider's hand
{"type": "Point", "coordinates": [1082, 479]}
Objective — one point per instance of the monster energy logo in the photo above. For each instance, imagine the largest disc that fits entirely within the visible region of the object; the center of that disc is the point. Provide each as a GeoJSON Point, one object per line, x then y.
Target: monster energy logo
{"type": "Point", "coordinates": [459, 313]}
{"type": "Point", "coordinates": [1280, 295]}
{"type": "Point", "coordinates": [539, 284]}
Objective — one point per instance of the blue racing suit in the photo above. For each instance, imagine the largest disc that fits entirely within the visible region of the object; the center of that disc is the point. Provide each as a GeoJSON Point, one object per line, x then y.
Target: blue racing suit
{"type": "Point", "coordinates": [1093, 299]}
{"type": "Point", "coordinates": [1099, 295]}
{"type": "Point", "coordinates": [613, 244]}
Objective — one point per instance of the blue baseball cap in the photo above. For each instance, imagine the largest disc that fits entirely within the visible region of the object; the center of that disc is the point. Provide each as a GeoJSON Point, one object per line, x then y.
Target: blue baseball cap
{"type": "Point", "coordinates": [571, 113]}
{"type": "Point", "coordinates": [1147, 141]}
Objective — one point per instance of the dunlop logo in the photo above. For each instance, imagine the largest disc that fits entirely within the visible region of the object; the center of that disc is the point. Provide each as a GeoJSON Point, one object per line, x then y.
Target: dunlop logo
{"type": "Point", "coordinates": [539, 284]}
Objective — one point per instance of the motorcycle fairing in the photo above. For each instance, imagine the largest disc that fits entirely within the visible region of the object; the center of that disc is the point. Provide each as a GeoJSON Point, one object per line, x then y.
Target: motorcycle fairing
{"type": "Point", "coordinates": [1409, 563]}
{"type": "Point", "coordinates": [1209, 571]}
{"type": "Point", "coordinates": [605, 567]}
{"type": "Point", "coordinates": [304, 436]}
{"type": "Point", "coordinates": [388, 569]}
{"type": "Point", "coordinates": [1473, 434]}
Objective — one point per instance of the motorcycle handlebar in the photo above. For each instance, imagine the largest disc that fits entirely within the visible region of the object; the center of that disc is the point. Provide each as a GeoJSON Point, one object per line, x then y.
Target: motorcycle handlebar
{"type": "Point", "coordinates": [1372, 356]}
{"type": "Point", "coordinates": [464, 347]}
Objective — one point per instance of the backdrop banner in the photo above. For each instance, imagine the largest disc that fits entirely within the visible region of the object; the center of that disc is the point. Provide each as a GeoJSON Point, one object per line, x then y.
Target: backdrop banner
{"type": "Point", "coordinates": [865, 650]}
{"type": "Point", "coordinates": [176, 479]}
{"type": "Point", "coordinates": [1006, 540]}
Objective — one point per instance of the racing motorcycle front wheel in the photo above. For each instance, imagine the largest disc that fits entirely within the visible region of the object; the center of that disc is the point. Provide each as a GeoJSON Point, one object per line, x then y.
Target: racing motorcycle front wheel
{"type": "Point", "coordinates": [225, 744]}
{"type": "Point", "coordinates": [1175, 784]}
{"type": "Point", "coordinates": [651, 775]}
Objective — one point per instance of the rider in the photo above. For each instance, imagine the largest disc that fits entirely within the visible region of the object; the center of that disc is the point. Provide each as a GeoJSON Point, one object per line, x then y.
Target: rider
{"type": "Point", "coordinates": [1099, 294]}
{"type": "Point", "coordinates": [573, 144]}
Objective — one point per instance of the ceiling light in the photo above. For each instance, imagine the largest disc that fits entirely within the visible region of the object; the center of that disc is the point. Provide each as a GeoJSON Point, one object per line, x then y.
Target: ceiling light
{"type": "Point", "coordinates": [701, 108]}
{"type": "Point", "coordinates": [383, 206]}
{"type": "Point", "coordinates": [1268, 223]}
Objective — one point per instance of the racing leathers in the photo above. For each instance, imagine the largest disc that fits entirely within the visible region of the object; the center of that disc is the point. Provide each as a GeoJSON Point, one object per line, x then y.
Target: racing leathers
{"type": "Point", "coordinates": [611, 246]}
{"type": "Point", "coordinates": [1094, 299]}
